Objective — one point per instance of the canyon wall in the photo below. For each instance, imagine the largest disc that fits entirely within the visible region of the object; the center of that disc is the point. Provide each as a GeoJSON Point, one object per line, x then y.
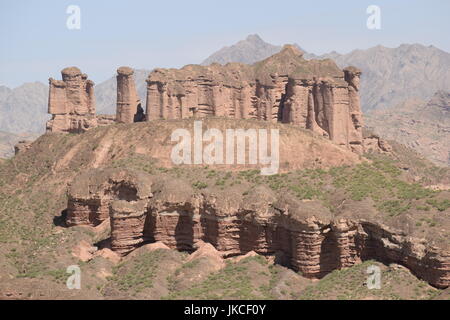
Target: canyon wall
{"type": "Point", "coordinates": [304, 236]}
{"type": "Point", "coordinates": [313, 94]}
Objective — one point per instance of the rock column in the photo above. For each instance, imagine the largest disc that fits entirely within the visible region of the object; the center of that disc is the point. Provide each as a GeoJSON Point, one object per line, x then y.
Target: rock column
{"type": "Point", "coordinates": [71, 102]}
{"type": "Point", "coordinates": [352, 76]}
{"type": "Point", "coordinates": [129, 107]}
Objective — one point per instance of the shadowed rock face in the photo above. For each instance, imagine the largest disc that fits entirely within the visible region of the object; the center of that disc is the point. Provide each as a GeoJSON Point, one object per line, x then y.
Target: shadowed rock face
{"type": "Point", "coordinates": [307, 236]}
{"type": "Point", "coordinates": [313, 94]}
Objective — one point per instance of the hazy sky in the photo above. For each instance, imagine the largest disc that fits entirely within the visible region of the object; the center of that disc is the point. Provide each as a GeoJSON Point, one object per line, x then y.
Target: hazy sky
{"type": "Point", "coordinates": [36, 44]}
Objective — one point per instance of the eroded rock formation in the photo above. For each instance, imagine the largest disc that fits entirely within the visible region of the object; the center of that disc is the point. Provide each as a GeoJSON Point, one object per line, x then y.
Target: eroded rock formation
{"type": "Point", "coordinates": [374, 143]}
{"type": "Point", "coordinates": [129, 107]}
{"type": "Point", "coordinates": [71, 102]}
{"type": "Point", "coordinates": [313, 94]}
{"type": "Point", "coordinates": [22, 146]}
{"type": "Point", "coordinates": [304, 235]}
{"type": "Point", "coordinates": [91, 195]}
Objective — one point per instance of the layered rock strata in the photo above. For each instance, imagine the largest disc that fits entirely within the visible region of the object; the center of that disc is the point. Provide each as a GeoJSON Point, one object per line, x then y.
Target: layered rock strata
{"type": "Point", "coordinates": [90, 197]}
{"type": "Point", "coordinates": [305, 235]}
{"type": "Point", "coordinates": [129, 107]}
{"type": "Point", "coordinates": [313, 94]}
{"type": "Point", "coordinates": [71, 102]}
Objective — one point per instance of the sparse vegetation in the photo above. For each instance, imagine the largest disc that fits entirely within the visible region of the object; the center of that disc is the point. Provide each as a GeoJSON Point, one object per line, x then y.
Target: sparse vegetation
{"type": "Point", "coordinates": [33, 192]}
{"type": "Point", "coordinates": [138, 274]}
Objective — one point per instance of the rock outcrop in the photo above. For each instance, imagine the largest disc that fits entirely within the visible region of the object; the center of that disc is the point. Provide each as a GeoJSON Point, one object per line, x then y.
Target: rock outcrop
{"type": "Point", "coordinates": [146, 209]}
{"type": "Point", "coordinates": [129, 107]}
{"type": "Point", "coordinates": [373, 143]}
{"type": "Point", "coordinates": [91, 195]}
{"type": "Point", "coordinates": [71, 102]}
{"type": "Point", "coordinates": [313, 94]}
{"type": "Point", "coordinates": [22, 146]}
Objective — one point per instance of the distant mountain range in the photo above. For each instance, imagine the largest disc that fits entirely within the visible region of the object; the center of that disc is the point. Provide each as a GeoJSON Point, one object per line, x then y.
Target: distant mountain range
{"type": "Point", "coordinates": [392, 78]}
{"type": "Point", "coordinates": [247, 51]}
{"type": "Point", "coordinates": [393, 75]}
{"type": "Point", "coordinates": [390, 75]}
{"type": "Point", "coordinates": [421, 125]}
{"type": "Point", "coordinates": [24, 109]}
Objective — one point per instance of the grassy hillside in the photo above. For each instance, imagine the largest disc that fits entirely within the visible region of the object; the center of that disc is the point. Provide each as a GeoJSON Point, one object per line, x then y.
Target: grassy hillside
{"type": "Point", "coordinates": [35, 251]}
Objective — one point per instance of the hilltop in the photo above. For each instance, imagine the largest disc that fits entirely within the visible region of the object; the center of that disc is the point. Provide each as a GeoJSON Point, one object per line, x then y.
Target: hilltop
{"type": "Point", "coordinates": [36, 247]}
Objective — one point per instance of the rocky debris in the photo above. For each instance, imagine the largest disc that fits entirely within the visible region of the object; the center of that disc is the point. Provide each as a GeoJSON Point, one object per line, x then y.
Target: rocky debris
{"type": "Point", "coordinates": [437, 187]}
{"type": "Point", "coordinates": [129, 107]}
{"type": "Point", "coordinates": [22, 146]}
{"type": "Point", "coordinates": [207, 250]}
{"type": "Point", "coordinates": [84, 251]}
{"type": "Point", "coordinates": [105, 119]}
{"type": "Point", "coordinates": [245, 256]}
{"type": "Point", "coordinates": [109, 255]}
{"type": "Point", "coordinates": [155, 246]}
{"type": "Point", "coordinates": [440, 101]}
{"type": "Point", "coordinates": [103, 227]}
{"type": "Point", "coordinates": [374, 143]}
{"type": "Point", "coordinates": [71, 102]}
{"type": "Point", "coordinates": [313, 241]}
{"type": "Point", "coordinates": [147, 247]}
{"type": "Point", "coordinates": [313, 94]}
{"type": "Point", "coordinates": [104, 274]}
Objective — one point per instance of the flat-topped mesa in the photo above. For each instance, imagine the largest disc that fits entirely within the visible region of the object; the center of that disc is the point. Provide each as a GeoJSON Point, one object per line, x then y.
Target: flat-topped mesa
{"type": "Point", "coordinates": [129, 107]}
{"type": "Point", "coordinates": [313, 94]}
{"type": "Point", "coordinates": [71, 102]}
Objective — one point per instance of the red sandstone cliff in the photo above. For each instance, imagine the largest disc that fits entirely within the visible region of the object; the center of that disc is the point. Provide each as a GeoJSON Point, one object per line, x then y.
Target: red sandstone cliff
{"type": "Point", "coordinates": [71, 101]}
{"type": "Point", "coordinates": [304, 235]}
{"type": "Point", "coordinates": [313, 94]}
